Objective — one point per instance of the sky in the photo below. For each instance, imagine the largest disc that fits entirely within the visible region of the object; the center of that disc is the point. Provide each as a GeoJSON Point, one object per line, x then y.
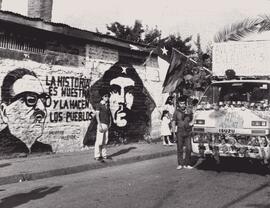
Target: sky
{"type": "Point", "coordinates": [184, 17]}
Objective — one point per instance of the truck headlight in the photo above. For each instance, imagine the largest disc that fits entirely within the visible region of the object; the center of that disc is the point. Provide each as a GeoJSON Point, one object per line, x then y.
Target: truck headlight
{"type": "Point", "coordinates": [200, 121]}
{"type": "Point", "coordinates": [196, 138]}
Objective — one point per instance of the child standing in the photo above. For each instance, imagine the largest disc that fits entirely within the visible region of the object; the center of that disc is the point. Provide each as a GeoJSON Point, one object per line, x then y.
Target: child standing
{"type": "Point", "coordinates": [169, 106]}
{"type": "Point", "coordinates": [165, 128]}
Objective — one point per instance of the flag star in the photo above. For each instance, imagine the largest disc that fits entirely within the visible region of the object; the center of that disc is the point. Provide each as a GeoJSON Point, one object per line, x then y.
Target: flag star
{"type": "Point", "coordinates": [124, 70]}
{"type": "Point", "coordinates": [164, 51]}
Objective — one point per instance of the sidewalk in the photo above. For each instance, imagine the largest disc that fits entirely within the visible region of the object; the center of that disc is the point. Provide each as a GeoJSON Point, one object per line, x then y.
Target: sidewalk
{"type": "Point", "coordinates": [36, 167]}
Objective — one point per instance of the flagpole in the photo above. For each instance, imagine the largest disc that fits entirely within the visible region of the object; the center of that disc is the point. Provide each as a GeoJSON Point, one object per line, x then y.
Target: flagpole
{"type": "Point", "coordinates": [193, 61]}
{"type": "Point", "coordinates": [148, 57]}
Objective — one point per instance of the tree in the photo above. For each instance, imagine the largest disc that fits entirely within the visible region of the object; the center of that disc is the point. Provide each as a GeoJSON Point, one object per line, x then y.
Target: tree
{"type": "Point", "coordinates": [152, 36]}
{"type": "Point", "coordinates": [137, 31]}
{"type": "Point", "coordinates": [175, 41]}
{"type": "Point", "coordinates": [241, 29]}
{"type": "Point", "coordinates": [203, 58]}
{"type": "Point", "coordinates": [265, 23]}
{"type": "Point", "coordinates": [199, 52]}
{"type": "Point", "coordinates": [125, 32]}
{"type": "Point", "coordinates": [207, 61]}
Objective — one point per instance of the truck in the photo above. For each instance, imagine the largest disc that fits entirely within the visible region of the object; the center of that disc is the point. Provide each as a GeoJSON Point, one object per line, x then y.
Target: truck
{"type": "Point", "coordinates": [232, 118]}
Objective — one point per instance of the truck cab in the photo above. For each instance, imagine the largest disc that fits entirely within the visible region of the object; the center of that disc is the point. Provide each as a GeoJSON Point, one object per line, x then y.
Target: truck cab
{"type": "Point", "coordinates": [232, 119]}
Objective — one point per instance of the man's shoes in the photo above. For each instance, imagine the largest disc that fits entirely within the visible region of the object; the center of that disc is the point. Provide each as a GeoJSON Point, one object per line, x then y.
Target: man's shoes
{"type": "Point", "coordinates": [188, 167]}
{"type": "Point", "coordinates": [107, 158]}
{"type": "Point", "coordinates": [100, 159]}
{"type": "Point", "coordinates": [179, 167]}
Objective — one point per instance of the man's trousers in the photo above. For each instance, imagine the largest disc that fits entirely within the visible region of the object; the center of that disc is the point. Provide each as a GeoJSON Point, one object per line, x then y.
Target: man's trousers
{"type": "Point", "coordinates": [181, 142]}
{"type": "Point", "coordinates": [101, 141]}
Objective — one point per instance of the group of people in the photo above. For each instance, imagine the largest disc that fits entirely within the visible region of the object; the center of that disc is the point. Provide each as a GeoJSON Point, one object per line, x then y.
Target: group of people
{"type": "Point", "coordinates": [176, 118]}
{"type": "Point", "coordinates": [177, 124]}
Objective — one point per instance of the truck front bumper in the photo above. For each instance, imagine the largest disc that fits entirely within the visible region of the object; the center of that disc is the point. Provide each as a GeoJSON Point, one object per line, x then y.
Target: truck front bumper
{"type": "Point", "coordinates": [256, 147]}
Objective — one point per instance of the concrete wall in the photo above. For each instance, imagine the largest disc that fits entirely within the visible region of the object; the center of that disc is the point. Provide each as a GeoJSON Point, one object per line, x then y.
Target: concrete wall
{"type": "Point", "coordinates": [72, 81]}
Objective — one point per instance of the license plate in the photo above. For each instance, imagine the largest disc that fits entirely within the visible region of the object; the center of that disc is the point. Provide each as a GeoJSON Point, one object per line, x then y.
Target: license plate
{"type": "Point", "coordinates": [227, 131]}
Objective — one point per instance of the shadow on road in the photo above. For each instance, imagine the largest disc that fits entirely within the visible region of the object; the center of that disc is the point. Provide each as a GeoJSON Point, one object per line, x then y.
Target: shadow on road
{"type": "Point", "coordinates": [241, 198]}
{"type": "Point", "coordinates": [234, 165]}
{"type": "Point", "coordinates": [258, 205]}
{"type": "Point", "coordinates": [4, 165]}
{"type": "Point", "coordinates": [123, 151]}
{"type": "Point", "coordinates": [22, 198]}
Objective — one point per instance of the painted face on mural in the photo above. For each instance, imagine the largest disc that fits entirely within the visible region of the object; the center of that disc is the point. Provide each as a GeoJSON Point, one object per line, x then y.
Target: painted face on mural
{"type": "Point", "coordinates": [126, 94]}
{"type": "Point", "coordinates": [25, 110]}
{"type": "Point", "coordinates": [130, 103]}
{"type": "Point", "coordinates": [121, 99]}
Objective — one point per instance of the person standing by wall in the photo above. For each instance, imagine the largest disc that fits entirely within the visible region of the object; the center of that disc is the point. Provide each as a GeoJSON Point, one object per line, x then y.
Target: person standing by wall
{"type": "Point", "coordinates": [165, 128]}
{"type": "Point", "coordinates": [170, 107]}
{"type": "Point", "coordinates": [103, 117]}
{"type": "Point", "coordinates": [182, 119]}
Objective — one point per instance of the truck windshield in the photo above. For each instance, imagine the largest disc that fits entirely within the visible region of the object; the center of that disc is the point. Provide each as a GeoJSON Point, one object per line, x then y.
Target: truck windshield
{"type": "Point", "coordinates": [250, 92]}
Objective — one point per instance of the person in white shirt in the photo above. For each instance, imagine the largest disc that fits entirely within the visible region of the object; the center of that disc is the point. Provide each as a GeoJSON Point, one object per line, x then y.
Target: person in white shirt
{"type": "Point", "coordinates": [165, 128]}
{"type": "Point", "coordinates": [169, 106]}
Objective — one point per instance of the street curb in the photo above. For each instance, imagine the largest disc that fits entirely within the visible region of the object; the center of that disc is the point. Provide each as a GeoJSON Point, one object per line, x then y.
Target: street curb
{"type": "Point", "coordinates": [80, 168]}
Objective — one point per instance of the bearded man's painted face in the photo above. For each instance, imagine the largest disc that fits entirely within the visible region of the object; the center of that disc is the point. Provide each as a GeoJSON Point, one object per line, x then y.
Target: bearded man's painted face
{"type": "Point", "coordinates": [25, 114]}
{"type": "Point", "coordinates": [121, 99]}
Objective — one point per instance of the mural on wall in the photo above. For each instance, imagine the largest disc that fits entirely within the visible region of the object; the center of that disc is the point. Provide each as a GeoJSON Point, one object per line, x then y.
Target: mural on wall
{"type": "Point", "coordinates": [130, 103]}
{"type": "Point", "coordinates": [50, 108]}
{"type": "Point", "coordinates": [43, 107]}
{"type": "Point", "coordinates": [71, 111]}
{"type": "Point", "coordinates": [23, 111]}
{"type": "Point", "coordinates": [69, 103]}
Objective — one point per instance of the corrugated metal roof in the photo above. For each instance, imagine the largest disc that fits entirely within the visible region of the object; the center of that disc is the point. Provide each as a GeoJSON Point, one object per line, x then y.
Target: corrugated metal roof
{"type": "Point", "coordinates": [67, 30]}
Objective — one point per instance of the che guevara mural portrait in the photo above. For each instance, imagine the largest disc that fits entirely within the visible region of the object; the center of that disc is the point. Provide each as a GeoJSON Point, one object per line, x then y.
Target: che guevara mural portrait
{"type": "Point", "coordinates": [130, 103]}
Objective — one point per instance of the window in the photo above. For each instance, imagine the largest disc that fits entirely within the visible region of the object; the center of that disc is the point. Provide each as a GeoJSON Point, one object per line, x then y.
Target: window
{"type": "Point", "coordinates": [240, 91]}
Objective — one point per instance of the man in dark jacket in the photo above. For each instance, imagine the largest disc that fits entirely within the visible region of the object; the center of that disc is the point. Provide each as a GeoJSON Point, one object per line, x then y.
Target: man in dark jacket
{"type": "Point", "coordinates": [182, 118]}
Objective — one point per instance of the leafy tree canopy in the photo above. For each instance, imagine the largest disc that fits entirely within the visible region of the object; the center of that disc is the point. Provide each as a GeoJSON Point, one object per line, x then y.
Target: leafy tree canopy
{"type": "Point", "coordinates": [241, 29]}
{"type": "Point", "coordinates": [126, 32]}
{"type": "Point", "coordinates": [149, 36]}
